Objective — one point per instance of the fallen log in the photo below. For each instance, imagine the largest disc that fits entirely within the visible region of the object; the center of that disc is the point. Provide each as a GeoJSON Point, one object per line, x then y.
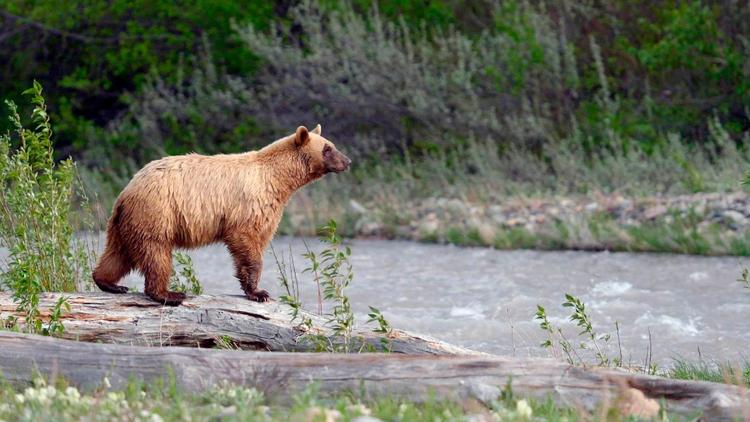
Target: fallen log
{"type": "Point", "coordinates": [205, 321]}
{"type": "Point", "coordinates": [413, 377]}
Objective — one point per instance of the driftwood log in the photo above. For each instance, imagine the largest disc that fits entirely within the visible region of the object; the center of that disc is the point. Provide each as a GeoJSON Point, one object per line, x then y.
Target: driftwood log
{"type": "Point", "coordinates": [204, 321]}
{"type": "Point", "coordinates": [414, 377]}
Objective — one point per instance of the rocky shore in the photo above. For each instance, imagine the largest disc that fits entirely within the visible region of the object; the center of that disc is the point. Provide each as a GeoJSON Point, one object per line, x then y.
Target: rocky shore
{"type": "Point", "coordinates": [706, 223]}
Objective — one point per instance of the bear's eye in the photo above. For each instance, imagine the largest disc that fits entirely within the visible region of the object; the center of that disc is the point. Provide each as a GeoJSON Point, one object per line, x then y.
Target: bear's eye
{"type": "Point", "coordinates": [326, 149]}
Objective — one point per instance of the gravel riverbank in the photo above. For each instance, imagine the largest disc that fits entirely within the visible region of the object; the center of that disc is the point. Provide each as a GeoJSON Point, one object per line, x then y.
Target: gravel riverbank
{"type": "Point", "coordinates": [706, 223]}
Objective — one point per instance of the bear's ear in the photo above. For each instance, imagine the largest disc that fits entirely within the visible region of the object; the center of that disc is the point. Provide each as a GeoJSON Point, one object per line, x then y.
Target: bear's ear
{"type": "Point", "coordinates": [317, 130]}
{"type": "Point", "coordinates": [301, 137]}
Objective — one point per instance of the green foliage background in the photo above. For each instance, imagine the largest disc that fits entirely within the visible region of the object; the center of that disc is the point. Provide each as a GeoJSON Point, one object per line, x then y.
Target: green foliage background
{"type": "Point", "coordinates": [89, 54]}
{"type": "Point", "coordinates": [663, 66]}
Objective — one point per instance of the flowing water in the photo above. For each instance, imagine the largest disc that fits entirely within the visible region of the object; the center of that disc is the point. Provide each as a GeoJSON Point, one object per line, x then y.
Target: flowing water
{"type": "Point", "coordinates": [485, 299]}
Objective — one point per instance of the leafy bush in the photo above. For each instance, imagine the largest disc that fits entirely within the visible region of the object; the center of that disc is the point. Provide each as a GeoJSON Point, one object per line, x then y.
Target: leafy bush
{"type": "Point", "coordinates": [448, 85]}
{"type": "Point", "coordinates": [342, 70]}
{"type": "Point", "coordinates": [522, 108]}
{"type": "Point", "coordinates": [91, 54]}
{"type": "Point", "coordinates": [35, 204]}
{"type": "Point", "coordinates": [592, 342]}
{"type": "Point", "coordinates": [184, 278]}
{"type": "Point", "coordinates": [332, 272]}
{"type": "Point", "coordinates": [335, 276]}
{"type": "Point", "coordinates": [407, 75]}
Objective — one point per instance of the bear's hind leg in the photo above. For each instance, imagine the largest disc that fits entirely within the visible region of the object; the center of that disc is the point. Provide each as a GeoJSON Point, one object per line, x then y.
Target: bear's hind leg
{"type": "Point", "coordinates": [156, 266]}
{"type": "Point", "coordinates": [112, 266]}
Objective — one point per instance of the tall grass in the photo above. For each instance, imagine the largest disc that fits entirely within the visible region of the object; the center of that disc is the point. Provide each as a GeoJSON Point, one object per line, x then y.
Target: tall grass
{"type": "Point", "coordinates": [728, 373]}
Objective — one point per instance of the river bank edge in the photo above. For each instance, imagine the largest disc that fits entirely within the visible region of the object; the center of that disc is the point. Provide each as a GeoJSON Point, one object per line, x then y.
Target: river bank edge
{"type": "Point", "coordinates": [700, 224]}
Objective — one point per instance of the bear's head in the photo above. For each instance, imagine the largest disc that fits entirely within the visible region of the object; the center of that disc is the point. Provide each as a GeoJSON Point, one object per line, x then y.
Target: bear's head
{"type": "Point", "coordinates": [320, 155]}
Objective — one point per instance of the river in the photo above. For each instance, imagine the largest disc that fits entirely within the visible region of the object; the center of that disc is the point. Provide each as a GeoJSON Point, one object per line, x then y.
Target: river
{"type": "Point", "coordinates": [485, 299]}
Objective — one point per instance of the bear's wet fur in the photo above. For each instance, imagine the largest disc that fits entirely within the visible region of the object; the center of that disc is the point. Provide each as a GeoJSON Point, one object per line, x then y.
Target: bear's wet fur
{"type": "Point", "coordinates": [194, 200]}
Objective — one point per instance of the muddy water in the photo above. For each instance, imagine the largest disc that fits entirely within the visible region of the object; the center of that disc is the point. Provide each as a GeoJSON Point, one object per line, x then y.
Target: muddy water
{"type": "Point", "coordinates": [485, 299]}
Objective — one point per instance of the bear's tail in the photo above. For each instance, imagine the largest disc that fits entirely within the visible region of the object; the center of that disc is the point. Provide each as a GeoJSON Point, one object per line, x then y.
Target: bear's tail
{"type": "Point", "coordinates": [114, 263]}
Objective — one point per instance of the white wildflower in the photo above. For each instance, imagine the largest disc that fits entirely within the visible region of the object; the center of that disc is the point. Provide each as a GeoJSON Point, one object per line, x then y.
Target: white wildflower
{"type": "Point", "coordinates": [360, 409]}
{"type": "Point", "coordinates": [72, 393]}
{"type": "Point", "coordinates": [523, 409]}
{"type": "Point", "coordinates": [114, 397]}
{"type": "Point", "coordinates": [402, 410]}
{"type": "Point", "coordinates": [332, 415]}
{"type": "Point", "coordinates": [20, 398]}
{"type": "Point", "coordinates": [106, 383]}
{"type": "Point", "coordinates": [329, 415]}
{"type": "Point", "coordinates": [147, 416]}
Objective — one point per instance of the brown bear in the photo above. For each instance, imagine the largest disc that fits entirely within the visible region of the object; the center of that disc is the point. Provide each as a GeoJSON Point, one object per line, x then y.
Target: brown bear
{"type": "Point", "coordinates": [194, 200]}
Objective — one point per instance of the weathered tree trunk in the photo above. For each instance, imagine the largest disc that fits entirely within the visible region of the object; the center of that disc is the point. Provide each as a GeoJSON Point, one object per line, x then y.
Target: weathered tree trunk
{"type": "Point", "coordinates": [410, 377]}
{"type": "Point", "coordinates": [204, 320]}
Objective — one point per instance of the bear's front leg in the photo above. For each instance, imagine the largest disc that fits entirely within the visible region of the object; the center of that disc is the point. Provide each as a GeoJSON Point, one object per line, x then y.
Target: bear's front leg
{"type": "Point", "coordinates": [248, 263]}
{"type": "Point", "coordinates": [249, 275]}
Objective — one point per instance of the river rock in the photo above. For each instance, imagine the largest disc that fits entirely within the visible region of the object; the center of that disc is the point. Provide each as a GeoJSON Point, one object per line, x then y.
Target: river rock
{"type": "Point", "coordinates": [653, 212]}
{"type": "Point", "coordinates": [366, 419]}
{"type": "Point", "coordinates": [430, 224]}
{"type": "Point", "coordinates": [357, 207]}
{"type": "Point", "coordinates": [403, 232]}
{"type": "Point", "coordinates": [735, 217]}
{"type": "Point", "coordinates": [487, 233]}
{"type": "Point", "coordinates": [512, 222]}
{"type": "Point", "coordinates": [539, 219]}
{"type": "Point", "coordinates": [366, 227]}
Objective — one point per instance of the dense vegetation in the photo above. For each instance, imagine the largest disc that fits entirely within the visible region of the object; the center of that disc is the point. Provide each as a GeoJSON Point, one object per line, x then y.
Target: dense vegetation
{"type": "Point", "coordinates": [137, 79]}
{"type": "Point", "coordinates": [158, 402]}
{"type": "Point", "coordinates": [472, 101]}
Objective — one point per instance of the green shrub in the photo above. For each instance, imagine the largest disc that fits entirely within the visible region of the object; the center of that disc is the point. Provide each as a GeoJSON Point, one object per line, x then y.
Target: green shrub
{"type": "Point", "coordinates": [502, 122]}
{"type": "Point", "coordinates": [335, 272]}
{"type": "Point", "coordinates": [35, 204]}
{"type": "Point", "coordinates": [515, 72]}
{"type": "Point", "coordinates": [331, 271]}
{"type": "Point", "coordinates": [342, 71]}
{"type": "Point", "coordinates": [184, 279]}
{"type": "Point", "coordinates": [592, 344]}
{"type": "Point", "coordinates": [93, 54]}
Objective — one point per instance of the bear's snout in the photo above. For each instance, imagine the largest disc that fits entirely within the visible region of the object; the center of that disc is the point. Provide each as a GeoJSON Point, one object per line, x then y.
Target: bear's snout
{"type": "Point", "coordinates": [335, 161]}
{"type": "Point", "coordinates": [347, 162]}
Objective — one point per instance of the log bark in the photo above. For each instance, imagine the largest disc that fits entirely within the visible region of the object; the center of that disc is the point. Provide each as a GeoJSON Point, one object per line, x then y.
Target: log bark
{"type": "Point", "coordinates": [414, 377]}
{"type": "Point", "coordinates": [202, 321]}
